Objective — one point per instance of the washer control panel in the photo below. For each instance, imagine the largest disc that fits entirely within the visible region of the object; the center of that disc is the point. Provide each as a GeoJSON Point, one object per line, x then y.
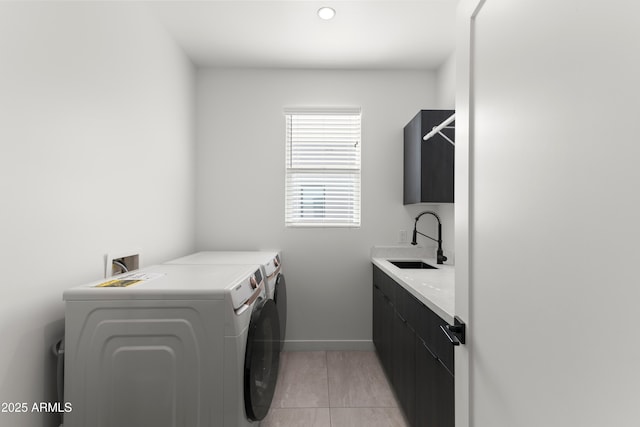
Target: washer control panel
{"type": "Point", "coordinates": [245, 290]}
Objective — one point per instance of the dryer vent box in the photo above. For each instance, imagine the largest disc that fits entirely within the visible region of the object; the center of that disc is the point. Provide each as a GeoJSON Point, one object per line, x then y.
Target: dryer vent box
{"type": "Point", "coordinates": [119, 263]}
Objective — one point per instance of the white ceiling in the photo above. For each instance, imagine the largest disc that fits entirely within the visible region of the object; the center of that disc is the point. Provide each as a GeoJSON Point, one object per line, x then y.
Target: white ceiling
{"type": "Point", "coordinates": [365, 34]}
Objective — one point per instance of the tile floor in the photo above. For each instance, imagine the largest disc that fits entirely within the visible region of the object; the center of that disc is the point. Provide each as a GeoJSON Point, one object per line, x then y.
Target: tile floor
{"type": "Point", "coordinates": [333, 389]}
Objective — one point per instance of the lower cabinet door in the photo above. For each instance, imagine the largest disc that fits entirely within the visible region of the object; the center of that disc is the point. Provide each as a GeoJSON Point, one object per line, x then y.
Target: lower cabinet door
{"type": "Point", "coordinates": [378, 300]}
{"type": "Point", "coordinates": [404, 367]}
{"type": "Point", "coordinates": [434, 390]}
{"type": "Point", "coordinates": [382, 329]}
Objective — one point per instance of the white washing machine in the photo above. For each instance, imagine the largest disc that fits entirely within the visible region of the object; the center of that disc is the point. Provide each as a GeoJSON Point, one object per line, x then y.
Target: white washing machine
{"type": "Point", "coordinates": [270, 260]}
{"type": "Point", "coordinates": [171, 346]}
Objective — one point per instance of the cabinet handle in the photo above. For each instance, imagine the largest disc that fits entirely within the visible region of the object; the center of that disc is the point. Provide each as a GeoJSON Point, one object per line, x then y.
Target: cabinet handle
{"type": "Point", "coordinates": [456, 332]}
{"type": "Point", "coordinates": [452, 338]}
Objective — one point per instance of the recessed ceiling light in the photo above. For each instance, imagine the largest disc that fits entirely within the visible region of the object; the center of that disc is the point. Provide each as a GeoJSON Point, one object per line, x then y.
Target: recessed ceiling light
{"type": "Point", "coordinates": [326, 13]}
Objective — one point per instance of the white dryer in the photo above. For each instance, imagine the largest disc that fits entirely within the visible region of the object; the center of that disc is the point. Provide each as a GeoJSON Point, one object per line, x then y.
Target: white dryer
{"type": "Point", "coordinates": [171, 346]}
{"type": "Point", "coordinates": [270, 260]}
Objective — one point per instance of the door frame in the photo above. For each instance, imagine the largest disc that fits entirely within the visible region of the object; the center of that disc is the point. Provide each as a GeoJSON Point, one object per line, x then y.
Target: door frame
{"type": "Point", "coordinates": [465, 23]}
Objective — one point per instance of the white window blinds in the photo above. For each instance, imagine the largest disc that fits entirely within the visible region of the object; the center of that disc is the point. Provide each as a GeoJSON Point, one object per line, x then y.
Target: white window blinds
{"type": "Point", "coordinates": [323, 168]}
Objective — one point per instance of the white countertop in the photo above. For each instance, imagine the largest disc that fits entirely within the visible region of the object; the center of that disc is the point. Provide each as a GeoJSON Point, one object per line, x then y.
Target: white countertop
{"type": "Point", "coordinates": [435, 288]}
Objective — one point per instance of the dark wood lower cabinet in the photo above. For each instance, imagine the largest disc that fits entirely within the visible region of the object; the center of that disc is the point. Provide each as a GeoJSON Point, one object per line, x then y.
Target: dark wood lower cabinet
{"type": "Point", "coordinates": [434, 390]}
{"type": "Point", "coordinates": [420, 370]}
{"type": "Point", "coordinates": [403, 365]}
{"type": "Point", "coordinates": [383, 328]}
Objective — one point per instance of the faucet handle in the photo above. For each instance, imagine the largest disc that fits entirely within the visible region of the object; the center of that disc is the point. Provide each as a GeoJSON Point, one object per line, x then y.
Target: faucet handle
{"type": "Point", "coordinates": [440, 257]}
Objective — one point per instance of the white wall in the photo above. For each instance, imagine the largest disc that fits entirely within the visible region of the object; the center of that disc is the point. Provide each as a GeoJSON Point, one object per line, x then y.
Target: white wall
{"type": "Point", "coordinates": [97, 156]}
{"type": "Point", "coordinates": [241, 152]}
{"type": "Point", "coordinates": [554, 213]}
{"type": "Point", "coordinates": [446, 87]}
{"type": "Point", "coordinates": [446, 93]}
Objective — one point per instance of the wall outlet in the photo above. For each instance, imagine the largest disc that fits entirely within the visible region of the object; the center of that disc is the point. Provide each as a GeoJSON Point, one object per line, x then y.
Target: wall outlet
{"type": "Point", "coordinates": [122, 262]}
{"type": "Point", "coordinates": [402, 236]}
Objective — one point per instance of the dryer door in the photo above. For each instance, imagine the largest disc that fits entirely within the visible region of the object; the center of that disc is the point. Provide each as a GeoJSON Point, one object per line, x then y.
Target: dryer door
{"type": "Point", "coordinates": [262, 359]}
{"type": "Point", "coordinates": [280, 298]}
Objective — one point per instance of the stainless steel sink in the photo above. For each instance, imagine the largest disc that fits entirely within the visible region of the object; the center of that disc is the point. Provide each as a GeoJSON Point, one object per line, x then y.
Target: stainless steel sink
{"type": "Point", "coordinates": [412, 264]}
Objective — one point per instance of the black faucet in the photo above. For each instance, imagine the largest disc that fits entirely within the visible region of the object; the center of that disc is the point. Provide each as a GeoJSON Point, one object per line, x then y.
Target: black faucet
{"type": "Point", "coordinates": [440, 255]}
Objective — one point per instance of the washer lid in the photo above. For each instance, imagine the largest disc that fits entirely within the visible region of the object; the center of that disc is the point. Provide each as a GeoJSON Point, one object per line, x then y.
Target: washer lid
{"type": "Point", "coordinates": [228, 257]}
{"type": "Point", "coordinates": [269, 259]}
{"type": "Point", "coordinates": [167, 282]}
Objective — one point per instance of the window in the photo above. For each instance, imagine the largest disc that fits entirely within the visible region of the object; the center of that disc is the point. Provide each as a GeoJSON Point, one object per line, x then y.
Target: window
{"type": "Point", "coordinates": [323, 168]}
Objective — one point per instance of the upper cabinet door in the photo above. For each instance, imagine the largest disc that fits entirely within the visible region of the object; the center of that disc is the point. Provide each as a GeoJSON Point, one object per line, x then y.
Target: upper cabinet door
{"type": "Point", "coordinates": [428, 165]}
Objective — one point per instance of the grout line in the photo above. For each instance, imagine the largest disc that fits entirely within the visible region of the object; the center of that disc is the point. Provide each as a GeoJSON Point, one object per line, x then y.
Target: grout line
{"type": "Point", "coordinates": [326, 361]}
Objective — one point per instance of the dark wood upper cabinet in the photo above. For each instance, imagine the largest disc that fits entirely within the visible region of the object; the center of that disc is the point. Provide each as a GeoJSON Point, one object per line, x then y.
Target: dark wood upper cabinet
{"type": "Point", "coordinates": [428, 165]}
